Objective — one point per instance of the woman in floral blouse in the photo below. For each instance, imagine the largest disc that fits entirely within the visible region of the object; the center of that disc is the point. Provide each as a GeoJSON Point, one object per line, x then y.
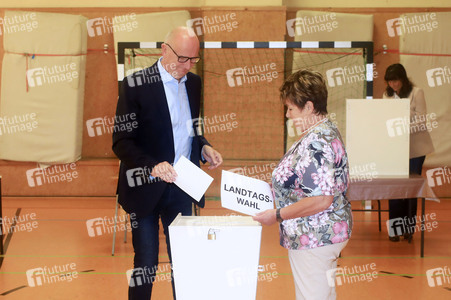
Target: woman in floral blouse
{"type": "Point", "coordinates": [310, 184]}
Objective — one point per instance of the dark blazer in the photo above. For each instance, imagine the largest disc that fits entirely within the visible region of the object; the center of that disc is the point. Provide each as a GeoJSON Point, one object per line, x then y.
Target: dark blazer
{"type": "Point", "coordinates": [151, 141]}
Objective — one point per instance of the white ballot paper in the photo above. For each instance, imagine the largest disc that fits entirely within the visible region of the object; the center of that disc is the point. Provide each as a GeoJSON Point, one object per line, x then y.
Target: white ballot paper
{"type": "Point", "coordinates": [245, 194]}
{"type": "Point", "coordinates": [191, 179]}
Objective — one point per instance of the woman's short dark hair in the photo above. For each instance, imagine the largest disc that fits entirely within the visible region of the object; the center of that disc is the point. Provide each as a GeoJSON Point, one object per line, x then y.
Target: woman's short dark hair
{"type": "Point", "coordinates": [397, 72]}
{"type": "Point", "coordinates": [303, 86]}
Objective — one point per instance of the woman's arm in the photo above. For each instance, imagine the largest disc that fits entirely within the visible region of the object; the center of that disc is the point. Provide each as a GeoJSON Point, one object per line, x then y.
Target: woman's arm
{"type": "Point", "coordinates": [305, 207]}
{"type": "Point", "coordinates": [419, 103]}
{"type": "Point", "coordinates": [418, 112]}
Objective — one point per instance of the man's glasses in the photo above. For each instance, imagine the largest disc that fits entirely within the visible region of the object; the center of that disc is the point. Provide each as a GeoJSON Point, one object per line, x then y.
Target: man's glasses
{"type": "Point", "coordinates": [184, 59]}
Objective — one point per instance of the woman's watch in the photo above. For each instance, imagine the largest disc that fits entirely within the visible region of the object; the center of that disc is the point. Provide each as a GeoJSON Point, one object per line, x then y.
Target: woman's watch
{"type": "Point", "coordinates": [278, 217]}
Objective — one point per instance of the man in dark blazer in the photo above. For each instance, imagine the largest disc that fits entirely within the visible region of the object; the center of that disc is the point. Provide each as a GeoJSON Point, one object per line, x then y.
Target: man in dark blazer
{"type": "Point", "coordinates": [164, 101]}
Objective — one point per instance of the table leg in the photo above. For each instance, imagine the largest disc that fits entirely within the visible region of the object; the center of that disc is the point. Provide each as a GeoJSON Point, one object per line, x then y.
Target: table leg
{"type": "Point", "coordinates": [379, 213]}
{"type": "Point", "coordinates": [423, 204]}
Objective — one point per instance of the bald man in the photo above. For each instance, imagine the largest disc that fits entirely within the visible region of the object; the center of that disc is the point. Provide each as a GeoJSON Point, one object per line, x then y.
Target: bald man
{"type": "Point", "coordinates": [164, 100]}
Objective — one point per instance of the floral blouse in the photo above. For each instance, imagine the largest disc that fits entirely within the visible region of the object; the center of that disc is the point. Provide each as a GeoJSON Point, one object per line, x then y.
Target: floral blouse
{"type": "Point", "coordinates": [315, 165]}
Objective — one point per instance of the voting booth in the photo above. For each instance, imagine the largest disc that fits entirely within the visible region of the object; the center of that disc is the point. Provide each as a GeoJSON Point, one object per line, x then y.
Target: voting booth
{"type": "Point", "coordinates": [377, 137]}
{"type": "Point", "coordinates": [215, 257]}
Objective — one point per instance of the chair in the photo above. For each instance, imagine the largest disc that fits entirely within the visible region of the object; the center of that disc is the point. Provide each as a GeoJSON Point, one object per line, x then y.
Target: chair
{"type": "Point", "coordinates": [115, 225]}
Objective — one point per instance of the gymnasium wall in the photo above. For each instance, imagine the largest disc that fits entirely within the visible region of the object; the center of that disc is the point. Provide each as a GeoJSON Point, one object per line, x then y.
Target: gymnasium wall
{"type": "Point", "coordinates": [98, 168]}
{"type": "Point", "coordinates": [231, 3]}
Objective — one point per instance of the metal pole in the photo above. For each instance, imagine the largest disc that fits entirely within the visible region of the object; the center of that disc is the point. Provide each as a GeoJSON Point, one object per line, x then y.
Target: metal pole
{"type": "Point", "coordinates": [423, 204]}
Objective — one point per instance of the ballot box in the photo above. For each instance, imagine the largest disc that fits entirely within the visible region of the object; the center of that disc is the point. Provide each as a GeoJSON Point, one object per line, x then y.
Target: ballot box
{"type": "Point", "coordinates": [215, 257]}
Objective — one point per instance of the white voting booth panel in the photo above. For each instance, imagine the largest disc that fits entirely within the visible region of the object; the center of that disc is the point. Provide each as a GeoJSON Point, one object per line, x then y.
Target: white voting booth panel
{"type": "Point", "coordinates": [377, 136]}
{"type": "Point", "coordinates": [215, 257]}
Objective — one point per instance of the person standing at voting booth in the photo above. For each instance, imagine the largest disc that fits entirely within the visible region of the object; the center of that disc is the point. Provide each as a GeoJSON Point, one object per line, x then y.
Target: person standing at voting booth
{"type": "Point", "coordinates": [164, 100]}
{"type": "Point", "coordinates": [310, 184]}
{"type": "Point", "coordinates": [399, 86]}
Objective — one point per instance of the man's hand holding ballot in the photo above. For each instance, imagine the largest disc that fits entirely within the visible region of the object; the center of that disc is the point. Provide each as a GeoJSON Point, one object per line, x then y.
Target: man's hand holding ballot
{"type": "Point", "coordinates": [165, 171]}
{"type": "Point", "coordinates": [212, 156]}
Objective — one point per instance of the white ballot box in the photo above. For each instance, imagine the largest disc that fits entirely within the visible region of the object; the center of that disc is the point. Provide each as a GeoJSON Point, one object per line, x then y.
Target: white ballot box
{"type": "Point", "coordinates": [215, 257]}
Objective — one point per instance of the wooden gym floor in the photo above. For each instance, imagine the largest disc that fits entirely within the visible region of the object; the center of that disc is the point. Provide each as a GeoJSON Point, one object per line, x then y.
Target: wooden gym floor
{"type": "Point", "coordinates": [57, 235]}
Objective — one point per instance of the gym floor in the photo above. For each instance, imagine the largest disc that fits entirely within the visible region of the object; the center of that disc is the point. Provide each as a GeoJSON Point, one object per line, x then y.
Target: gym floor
{"type": "Point", "coordinates": [52, 233]}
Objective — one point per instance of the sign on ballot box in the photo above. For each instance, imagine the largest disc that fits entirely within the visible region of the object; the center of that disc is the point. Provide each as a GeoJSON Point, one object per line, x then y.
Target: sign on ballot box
{"type": "Point", "coordinates": [245, 194]}
{"type": "Point", "coordinates": [215, 257]}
